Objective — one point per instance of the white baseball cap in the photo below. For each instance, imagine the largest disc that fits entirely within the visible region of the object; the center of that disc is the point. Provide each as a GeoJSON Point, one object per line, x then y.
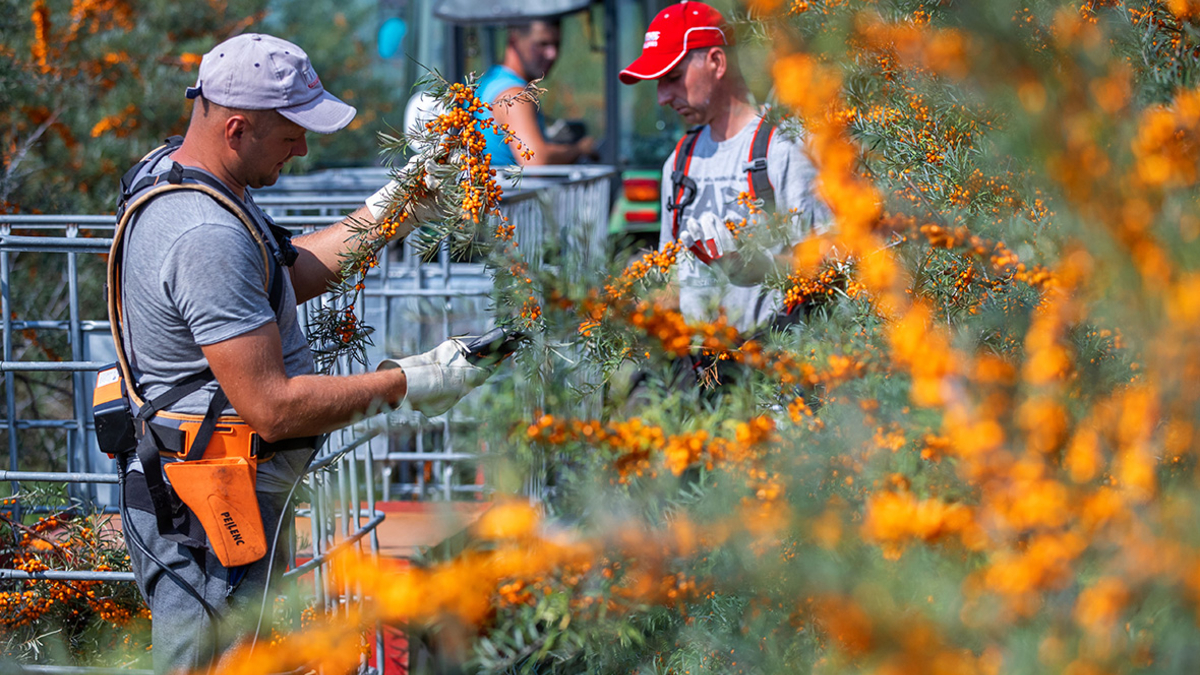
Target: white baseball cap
{"type": "Point", "coordinates": [262, 72]}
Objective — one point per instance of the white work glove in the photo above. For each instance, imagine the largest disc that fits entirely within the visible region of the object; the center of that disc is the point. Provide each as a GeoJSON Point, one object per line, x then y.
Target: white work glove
{"type": "Point", "coordinates": [707, 237]}
{"type": "Point", "coordinates": [422, 210]}
{"type": "Point", "coordinates": [438, 378]}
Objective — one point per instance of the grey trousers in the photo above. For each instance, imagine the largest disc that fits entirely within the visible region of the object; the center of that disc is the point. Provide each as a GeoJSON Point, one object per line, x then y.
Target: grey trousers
{"type": "Point", "coordinates": [185, 638]}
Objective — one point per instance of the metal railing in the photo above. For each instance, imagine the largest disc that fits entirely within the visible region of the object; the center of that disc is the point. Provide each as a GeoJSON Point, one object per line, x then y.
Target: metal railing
{"type": "Point", "coordinates": [413, 306]}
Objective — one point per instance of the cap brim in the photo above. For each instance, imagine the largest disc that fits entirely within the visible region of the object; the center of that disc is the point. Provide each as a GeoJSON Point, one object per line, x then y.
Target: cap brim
{"type": "Point", "coordinates": [324, 114]}
{"type": "Point", "coordinates": [649, 67]}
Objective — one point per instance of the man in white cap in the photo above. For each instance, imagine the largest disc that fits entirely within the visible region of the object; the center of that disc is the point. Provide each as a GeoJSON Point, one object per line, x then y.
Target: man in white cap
{"type": "Point", "coordinates": [730, 150]}
{"type": "Point", "coordinates": [208, 322]}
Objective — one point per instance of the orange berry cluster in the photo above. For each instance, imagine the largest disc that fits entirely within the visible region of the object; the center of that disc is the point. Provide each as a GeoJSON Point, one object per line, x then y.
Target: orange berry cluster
{"type": "Point", "coordinates": [619, 291]}
{"type": "Point", "coordinates": [751, 204]}
{"type": "Point", "coordinates": [461, 130]}
{"type": "Point", "coordinates": [826, 285]}
{"type": "Point", "coordinates": [659, 261]}
{"type": "Point", "coordinates": [78, 546]}
{"type": "Point", "coordinates": [999, 256]}
{"type": "Point", "coordinates": [505, 231]}
{"type": "Point", "coordinates": [350, 326]}
{"type": "Point", "coordinates": [636, 443]}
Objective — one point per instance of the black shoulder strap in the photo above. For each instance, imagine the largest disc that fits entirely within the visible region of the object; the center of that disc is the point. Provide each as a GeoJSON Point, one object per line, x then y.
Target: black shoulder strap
{"type": "Point", "coordinates": [756, 168]}
{"type": "Point", "coordinates": [683, 189]}
{"type": "Point", "coordinates": [128, 186]}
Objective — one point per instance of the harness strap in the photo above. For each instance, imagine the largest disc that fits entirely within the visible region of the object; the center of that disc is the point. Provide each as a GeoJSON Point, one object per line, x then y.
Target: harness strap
{"type": "Point", "coordinates": [192, 383]}
{"type": "Point", "coordinates": [174, 520]}
{"type": "Point", "coordinates": [116, 254]}
{"type": "Point", "coordinates": [683, 188]}
{"type": "Point", "coordinates": [756, 165]}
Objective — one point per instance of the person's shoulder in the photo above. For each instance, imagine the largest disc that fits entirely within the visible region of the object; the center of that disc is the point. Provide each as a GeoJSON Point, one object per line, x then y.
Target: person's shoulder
{"type": "Point", "coordinates": [190, 212]}
{"type": "Point", "coordinates": [498, 80]}
{"type": "Point", "coordinates": [787, 137]}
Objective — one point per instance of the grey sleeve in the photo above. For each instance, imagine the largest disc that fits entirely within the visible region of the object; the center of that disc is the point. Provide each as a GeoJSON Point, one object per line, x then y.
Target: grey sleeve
{"type": "Point", "coordinates": [215, 276]}
{"type": "Point", "coordinates": [795, 180]}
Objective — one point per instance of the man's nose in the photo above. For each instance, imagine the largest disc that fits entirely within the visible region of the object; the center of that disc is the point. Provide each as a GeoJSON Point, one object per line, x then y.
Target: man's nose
{"type": "Point", "coordinates": [300, 147]}
{"type": "Point", "coordinates": [664, 93]}
{"type": "Point", "coordinates": [551, 54]}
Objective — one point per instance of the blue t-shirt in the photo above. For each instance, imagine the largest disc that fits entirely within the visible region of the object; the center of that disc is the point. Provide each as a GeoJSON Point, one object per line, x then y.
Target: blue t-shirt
{"type": "Point", "coordinates": [497, 80]}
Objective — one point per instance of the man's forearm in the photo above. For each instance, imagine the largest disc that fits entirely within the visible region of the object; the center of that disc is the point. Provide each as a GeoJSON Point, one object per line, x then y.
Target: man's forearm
{"type": "Point", "coordinates": [308, 405]}
{"type": "Point", "coordinates": [554, 153]}
{"type": "Point", "coordinates": [322, 254]}
{"type": "Point", "coordinates": [251, 371]}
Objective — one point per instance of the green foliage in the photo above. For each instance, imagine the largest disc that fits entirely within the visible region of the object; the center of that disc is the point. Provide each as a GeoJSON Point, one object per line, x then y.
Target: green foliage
{"type": "Point", "coordinates": [935, 509]}
{"type": "Point", "coordinates": [61, 622]}
{"type": "Point", "coordinates": [103, 83]}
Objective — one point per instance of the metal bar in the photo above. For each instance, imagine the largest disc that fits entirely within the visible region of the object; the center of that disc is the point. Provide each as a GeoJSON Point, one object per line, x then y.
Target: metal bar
{"type": "Point", "coordinates": [327, 460]}
{"type": "Point", "coordinates": [354, 491]}
{"type": "Point", "coordinates": [373, 542]}
{"type": "Point", "coordinates": [316, 532]}
{"type": "Point", "coordinates": [612, 66]}
{"type": "Point", "coordinates": [57, 476]}
{"type": "Point", "coordinates": [344, 514]}
{"type": "Point", "coordinates": [343, 501]}
{"type": "Point", "coordinates": [77, 452]}
{"type": "Point", "coordinates": [80, 670]}
{"type": "Point", "coordinates": [10, 396]}
{"type": "Point", "coordinates": [39, 424]}
{"type": "Point", "coordinates": [337, 548]}
{"type": "Point", "coordinates": [427, 293]}
{"type": "Point", "coordinates": [55, 219]}
{"type": "Point", "coordinates": [53, 244]}
{"type": "Point", "coordinates": [66, 575]}
{"type": "Point", "coordinates": [46, 366]}
{"type": "Point", "coordinates": [412, 489]}
{"type": "Point", "coordinates": [443, 456]}
{"type": "Point", "coordinates": [85, 326]}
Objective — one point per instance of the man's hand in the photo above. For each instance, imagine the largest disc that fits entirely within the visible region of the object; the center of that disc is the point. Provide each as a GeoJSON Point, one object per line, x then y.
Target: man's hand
{"type": "Point", "coordinates": [707, 237]}
{"type": "Point", "coordinates": [586, 147]}
{"type": "Point", "coordinates": [438, 378]}
{"type": "Point", "coordinates": [423, 209]}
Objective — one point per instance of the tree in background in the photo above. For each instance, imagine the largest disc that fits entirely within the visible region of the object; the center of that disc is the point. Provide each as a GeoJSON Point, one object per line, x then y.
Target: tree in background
{"type": "Point", "coordinates": [89, 86]}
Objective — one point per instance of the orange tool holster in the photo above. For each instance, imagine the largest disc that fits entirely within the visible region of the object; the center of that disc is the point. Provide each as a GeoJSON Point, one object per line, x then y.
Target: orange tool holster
{"type": "Point", "coordinates": [219, 487]}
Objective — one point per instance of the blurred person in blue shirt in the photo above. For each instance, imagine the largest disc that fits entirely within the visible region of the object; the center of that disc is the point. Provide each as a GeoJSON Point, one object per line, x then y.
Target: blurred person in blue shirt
{"type": "Point", "coordinates": [531, 51]}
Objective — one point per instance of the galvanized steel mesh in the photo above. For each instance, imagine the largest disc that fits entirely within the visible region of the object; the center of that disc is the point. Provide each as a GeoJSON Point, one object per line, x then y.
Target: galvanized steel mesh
{"type": "Point", "coordinates": [413, 308]}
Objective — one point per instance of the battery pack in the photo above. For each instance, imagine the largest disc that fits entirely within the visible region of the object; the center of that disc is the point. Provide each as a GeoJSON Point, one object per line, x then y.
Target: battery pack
{"type": "Point", "coordinates": [112, 414]}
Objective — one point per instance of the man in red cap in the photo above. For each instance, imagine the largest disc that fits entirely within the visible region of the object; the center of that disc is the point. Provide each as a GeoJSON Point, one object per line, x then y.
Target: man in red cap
{"type": "Point", "coordinates": [730, 153]}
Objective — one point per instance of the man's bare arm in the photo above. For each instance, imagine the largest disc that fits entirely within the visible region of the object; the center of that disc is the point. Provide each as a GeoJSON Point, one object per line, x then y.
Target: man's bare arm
{"type": "Point", "coordinates": [321, 252]}
{"type": "Point", "coordinates": [250, 369]}
{"type": "Point", "coordinates": [521, 118]}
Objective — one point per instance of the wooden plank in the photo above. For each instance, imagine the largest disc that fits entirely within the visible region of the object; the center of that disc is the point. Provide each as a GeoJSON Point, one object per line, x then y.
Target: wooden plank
{"type": "Point", "coordinates": [410, 527]}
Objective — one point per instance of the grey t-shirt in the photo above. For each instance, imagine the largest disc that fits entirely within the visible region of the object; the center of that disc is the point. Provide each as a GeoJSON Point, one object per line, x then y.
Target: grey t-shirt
{"type": "Point", "coordinates": [720, 174]}
{"type": "Point", "coordinates": [193, 276]}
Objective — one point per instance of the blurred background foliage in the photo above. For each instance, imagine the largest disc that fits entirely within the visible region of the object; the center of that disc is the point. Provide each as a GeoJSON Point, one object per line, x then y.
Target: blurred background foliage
{"type": "Point", "coordinates": [977, 454]}
{"type": "Point", "coordinates": [88, 87]}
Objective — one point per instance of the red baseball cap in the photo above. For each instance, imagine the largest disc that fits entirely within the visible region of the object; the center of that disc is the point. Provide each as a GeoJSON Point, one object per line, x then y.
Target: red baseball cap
{"type": "Point", "coordinates": [677, 29]}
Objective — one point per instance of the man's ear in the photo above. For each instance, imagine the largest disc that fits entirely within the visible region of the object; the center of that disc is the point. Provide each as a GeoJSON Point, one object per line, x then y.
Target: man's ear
{"type": "Point", "coordinates": [718, 61]}
{"type": "Point", "coordinates": [236, 130]}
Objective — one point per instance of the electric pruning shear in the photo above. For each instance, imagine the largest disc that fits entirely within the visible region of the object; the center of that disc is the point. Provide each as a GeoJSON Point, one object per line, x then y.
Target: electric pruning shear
{"type": "Point", "coordinates": [494, 346]}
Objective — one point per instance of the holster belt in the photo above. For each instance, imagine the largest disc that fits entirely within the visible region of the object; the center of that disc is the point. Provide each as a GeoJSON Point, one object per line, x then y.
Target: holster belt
{"type": "Point", "coordinates": [218, 487]}
{"type": "Point", "coordinates": [176, 431]}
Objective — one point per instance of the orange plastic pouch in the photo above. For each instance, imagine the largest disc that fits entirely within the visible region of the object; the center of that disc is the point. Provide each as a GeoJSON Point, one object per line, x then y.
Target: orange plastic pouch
{"type": "Point", "coordinates": [219, 489]}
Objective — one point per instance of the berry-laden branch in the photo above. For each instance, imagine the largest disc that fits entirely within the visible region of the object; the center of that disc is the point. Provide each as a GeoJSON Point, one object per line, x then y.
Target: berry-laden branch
{"type": "Point", "coordinates": [444, 195]}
